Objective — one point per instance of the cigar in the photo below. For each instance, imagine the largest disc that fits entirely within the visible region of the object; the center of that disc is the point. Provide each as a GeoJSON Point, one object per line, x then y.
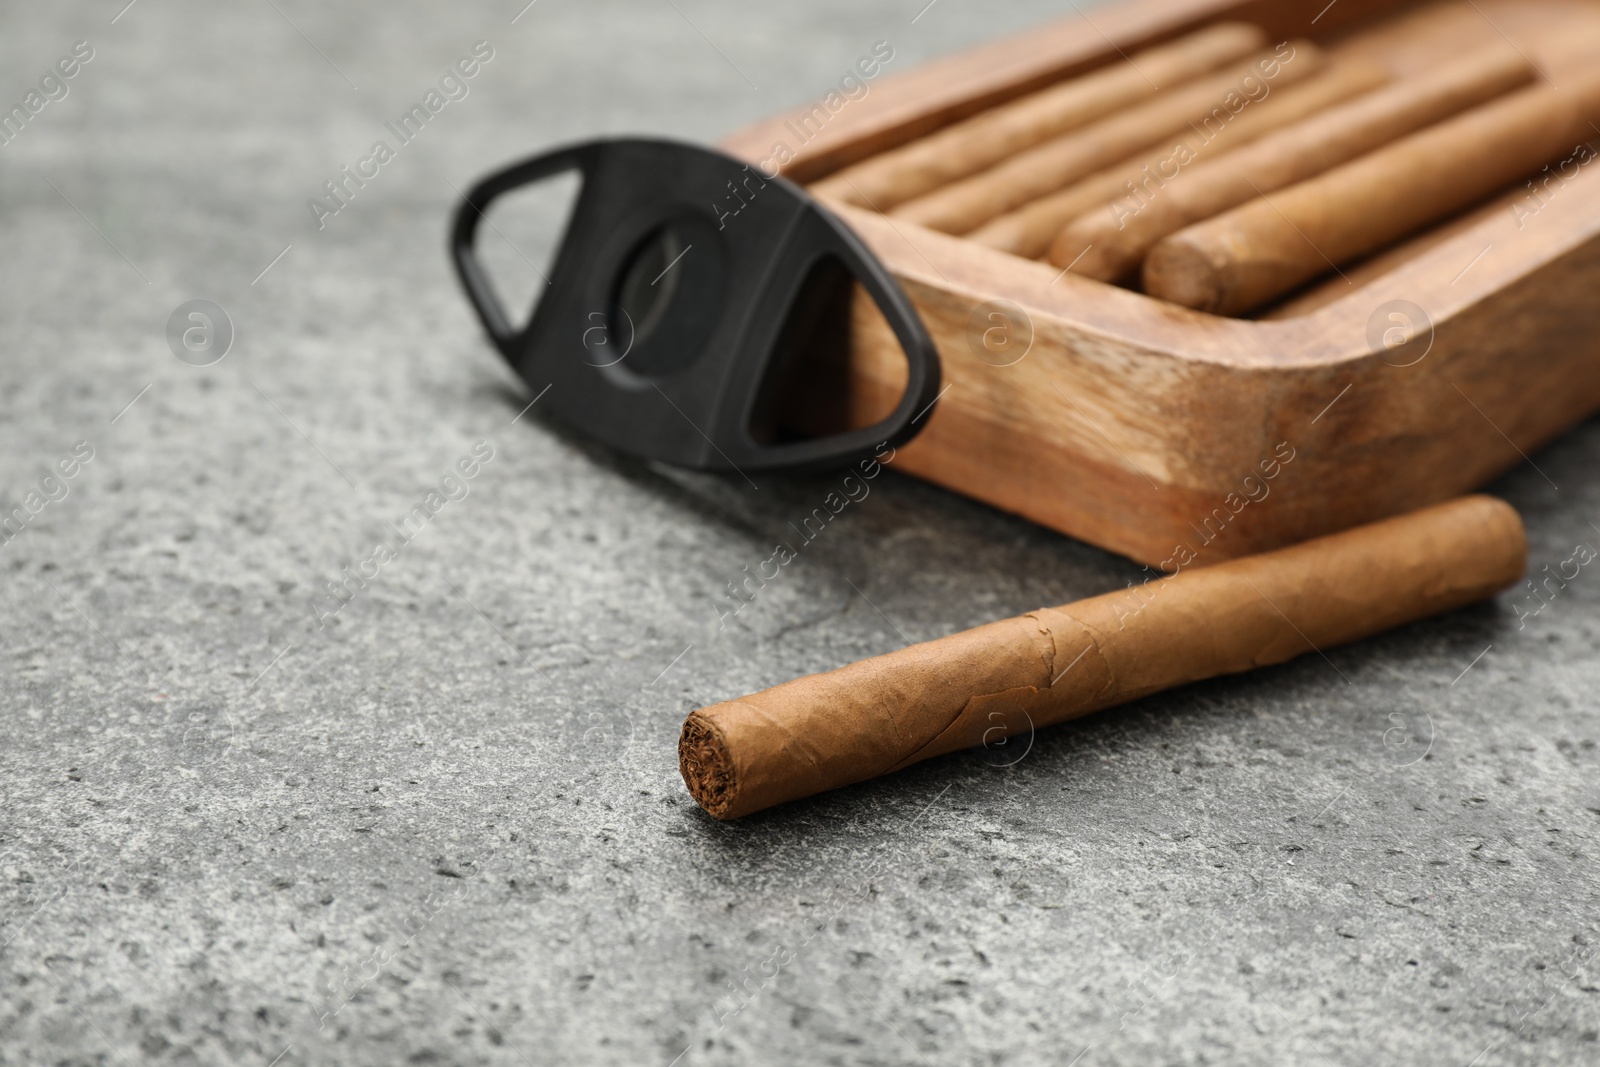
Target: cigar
{"type": "Point", "coordinates": [1028, 230]}
{"type": "Point", "coordinates": [967, 204]}
{"type": "Point", "coordinates": [890, 178]}
{"type": "Point", "coordinates": [1110, 243]}
{"type": "Point", "coordinates": [1248, 256]}
{"type": "Point", "coordinates": [1353, 278]}
{"type": "Point", "coordinates": [1056, 664]}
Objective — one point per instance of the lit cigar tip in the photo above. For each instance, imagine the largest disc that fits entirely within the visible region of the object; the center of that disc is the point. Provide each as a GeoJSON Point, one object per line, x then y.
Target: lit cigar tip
{"type": "Point", "coordinates": [706, 767]}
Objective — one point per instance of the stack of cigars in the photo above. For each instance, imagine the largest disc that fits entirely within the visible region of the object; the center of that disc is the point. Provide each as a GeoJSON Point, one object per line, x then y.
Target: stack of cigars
{"type": "Point", "coordinates": [1223, 172]}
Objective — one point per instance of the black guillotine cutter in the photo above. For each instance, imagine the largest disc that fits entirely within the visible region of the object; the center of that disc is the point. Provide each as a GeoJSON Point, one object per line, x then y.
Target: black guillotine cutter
{"type": "Point", "coordinates": [664, 315]}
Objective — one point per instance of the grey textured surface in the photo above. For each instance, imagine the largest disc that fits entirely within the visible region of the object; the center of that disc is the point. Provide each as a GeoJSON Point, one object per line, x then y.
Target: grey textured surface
{"type": "Point", "coordinates": [447, 826]}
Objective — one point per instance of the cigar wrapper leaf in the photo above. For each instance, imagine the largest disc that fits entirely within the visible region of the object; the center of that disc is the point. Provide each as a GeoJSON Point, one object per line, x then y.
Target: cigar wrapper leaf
{"type": "Point", "coordinates": [1246, 257]}
{"type": "Point", "coordinates": [965, 205]}
{"type": "Point", "coordinates": [1111, 244]}
{"type": "Point", "coordinates": [1056, 664]}
{"type": "Point", "coordinates": [1029, 230]}
{"type": "Point", "coordinates": [957, 151]}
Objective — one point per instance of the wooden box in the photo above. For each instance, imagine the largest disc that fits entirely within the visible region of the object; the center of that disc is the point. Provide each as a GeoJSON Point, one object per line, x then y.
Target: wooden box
{"type": "Point", "coordinates": [1149, 429]}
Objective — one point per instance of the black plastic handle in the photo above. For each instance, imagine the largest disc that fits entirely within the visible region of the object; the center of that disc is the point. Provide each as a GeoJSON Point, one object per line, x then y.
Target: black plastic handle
{"type": "Point", "coordinates": [687, 393]}
{"type": "Point", "coordinates": [464, 235]}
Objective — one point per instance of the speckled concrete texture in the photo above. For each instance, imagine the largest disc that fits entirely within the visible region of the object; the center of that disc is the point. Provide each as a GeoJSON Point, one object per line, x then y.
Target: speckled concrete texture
{"type": "Point", "coordinates": [444, 824]}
